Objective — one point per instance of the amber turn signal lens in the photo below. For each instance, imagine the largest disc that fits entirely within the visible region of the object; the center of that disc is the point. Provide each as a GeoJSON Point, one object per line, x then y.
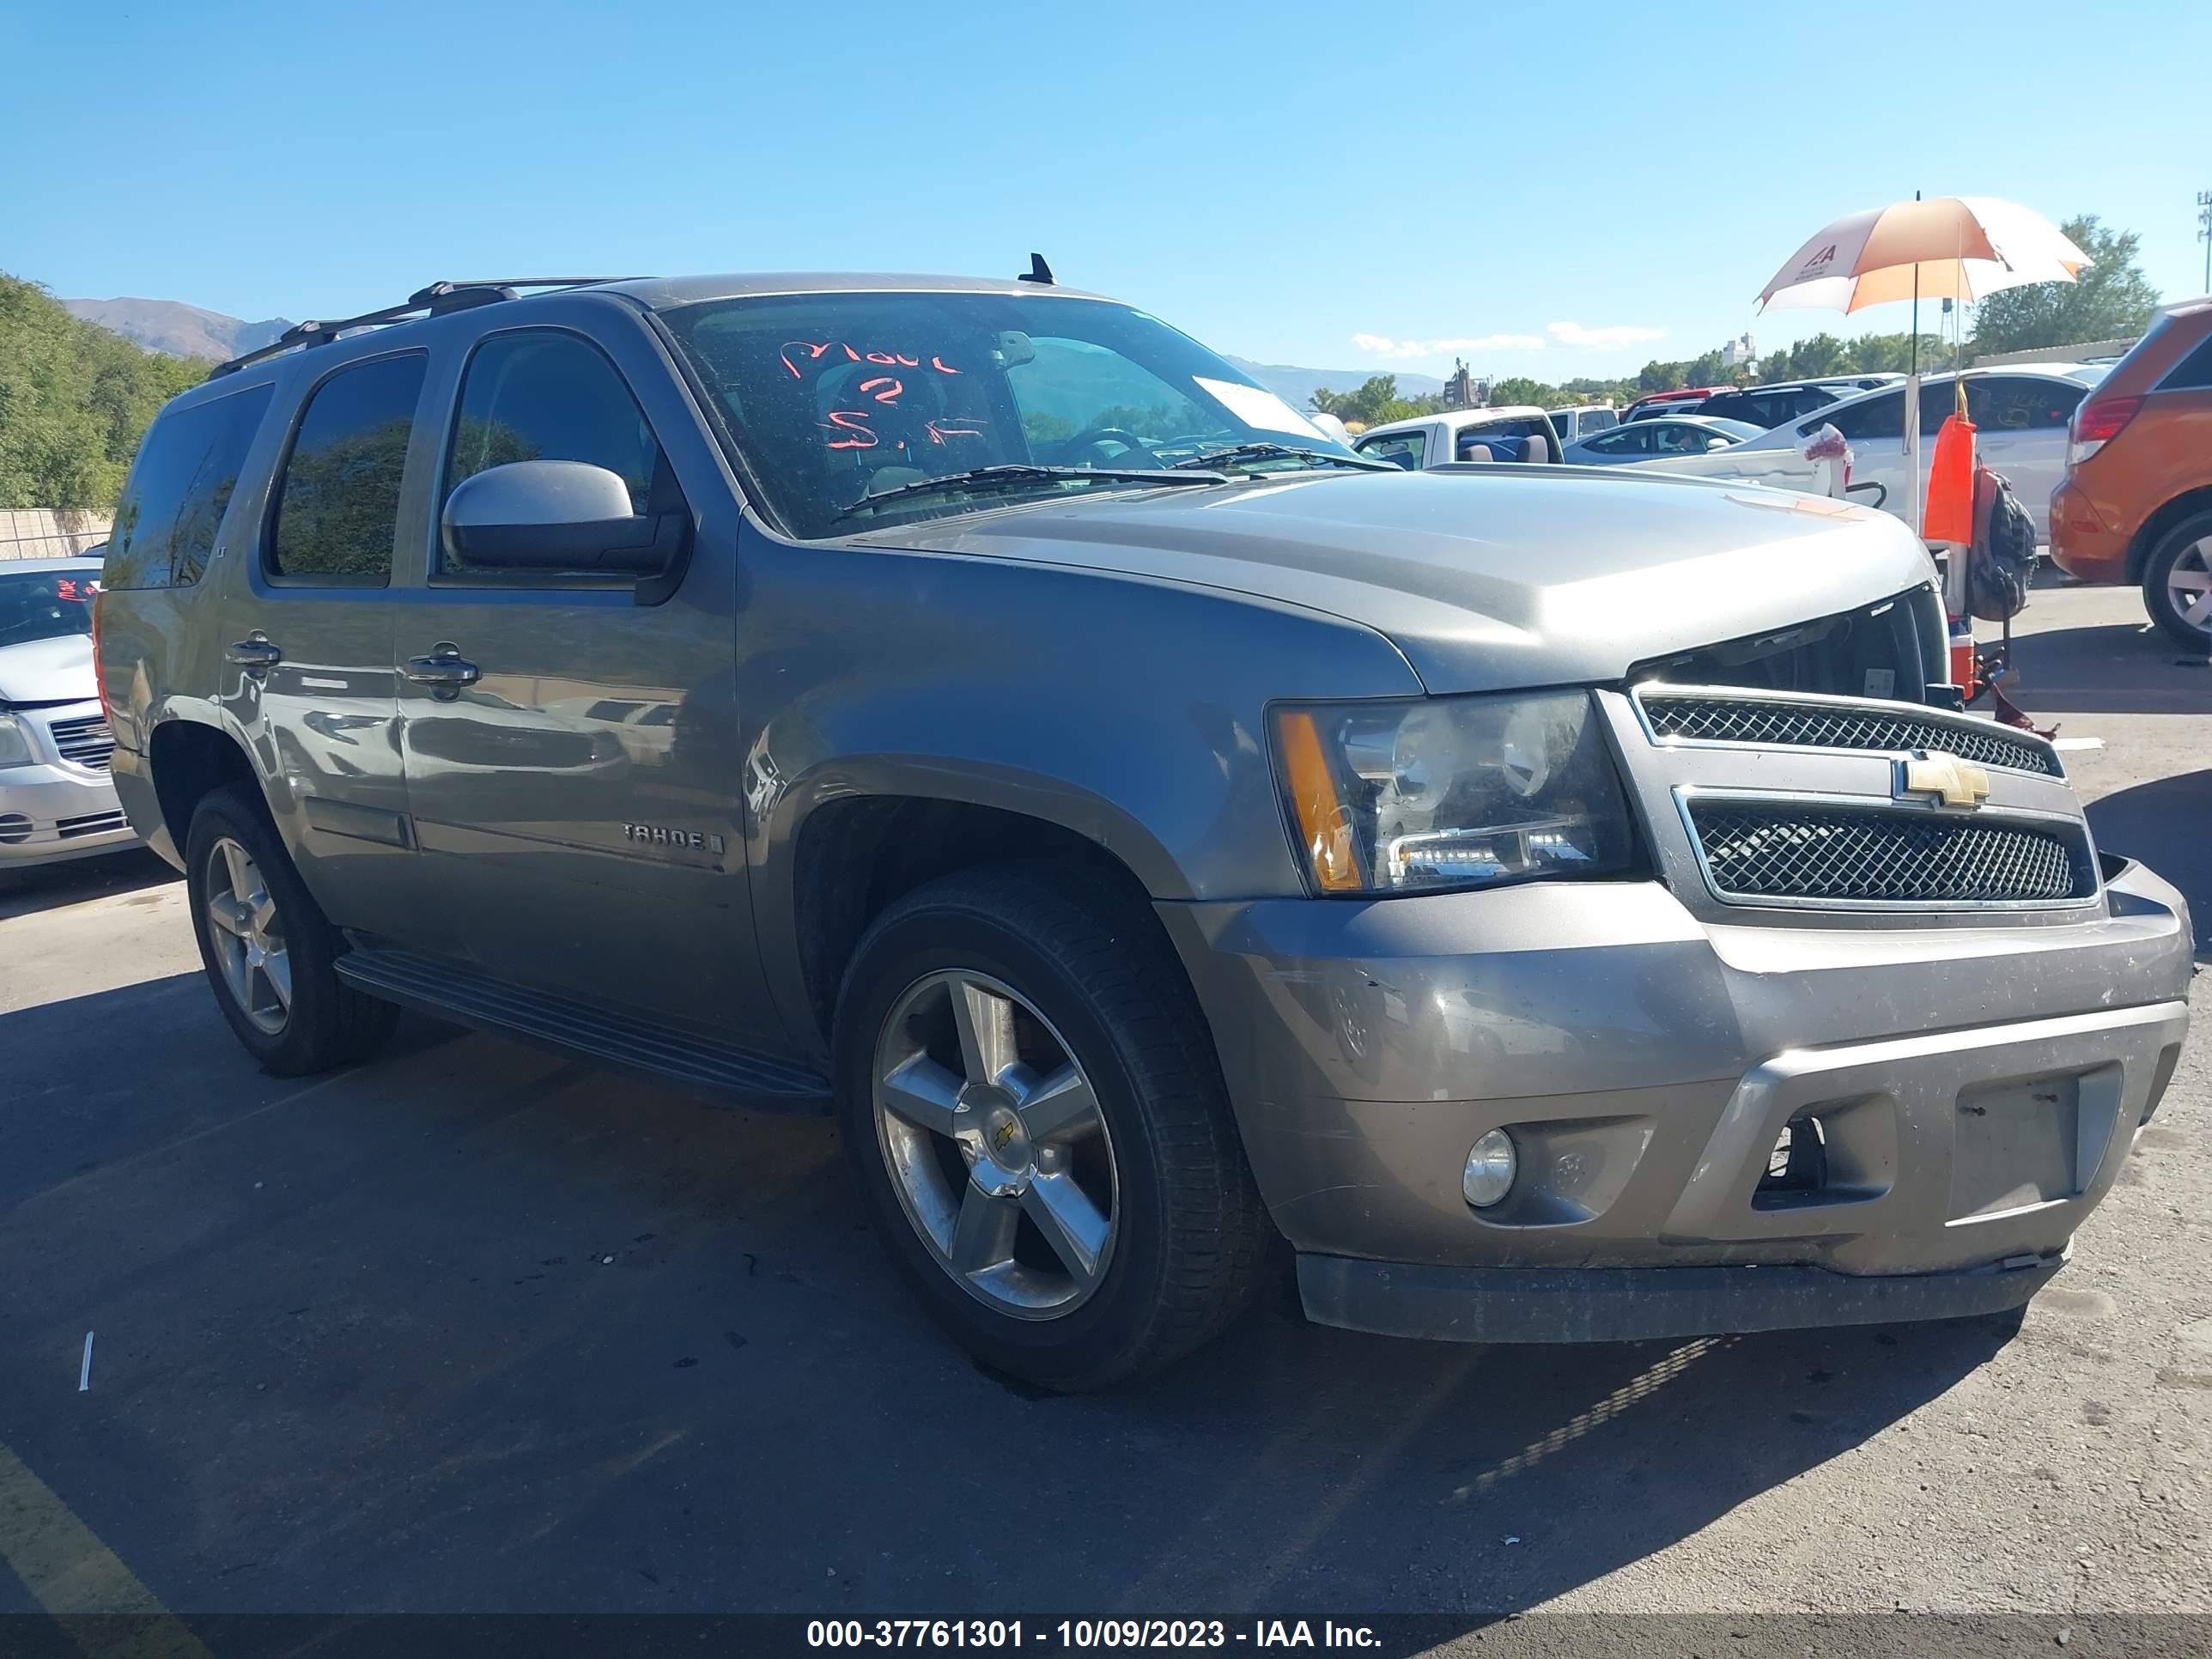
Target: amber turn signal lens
{"type": "Point", "coordinates": [1324, 825]}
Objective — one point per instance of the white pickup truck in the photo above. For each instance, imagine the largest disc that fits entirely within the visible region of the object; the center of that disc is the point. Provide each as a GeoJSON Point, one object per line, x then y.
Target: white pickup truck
{"type": "Point", "coordinates": [1506, 434]}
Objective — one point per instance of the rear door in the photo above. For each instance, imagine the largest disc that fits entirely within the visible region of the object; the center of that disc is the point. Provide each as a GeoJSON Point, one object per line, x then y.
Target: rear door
{"type": "Point", "coordinates": [568, 737]}
{"type": "Point", "coordinates": [1874, 428]}
{"type": "Point", "coordinates": [307, 673]}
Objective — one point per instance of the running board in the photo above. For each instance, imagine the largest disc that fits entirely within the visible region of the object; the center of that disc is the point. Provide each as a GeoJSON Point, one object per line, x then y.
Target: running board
{"type": "Point", "coordinates": [445, 991]}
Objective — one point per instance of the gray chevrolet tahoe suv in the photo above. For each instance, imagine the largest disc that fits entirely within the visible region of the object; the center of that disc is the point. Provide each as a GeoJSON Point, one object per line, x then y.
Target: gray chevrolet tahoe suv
{"type": "Point", "coordinates": [1561, 905]}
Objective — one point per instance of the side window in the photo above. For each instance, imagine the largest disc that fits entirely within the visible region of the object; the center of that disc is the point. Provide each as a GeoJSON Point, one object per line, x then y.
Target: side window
{"type": "Point", "coordinates": [337, 511]}
{"type": "Point", "coordinates": [1600, 419]}
{"type": "Point", "coordinates": [1408, 449]}
{"type": "Point", "coordinates": [2014, 403]}
{"type": "Point", "coordinates": [179, 488]}
{"type": "Point", "coordinates": [1878, 416]}
{"type": "Point", "coordinates": [1938, 402]}
{"type": "Point", "coordinates": [2192, 373]}
{"type": "Point", "coordinates": [545, 395]}
{"type": "Point", "coordinates": [1632, 439]}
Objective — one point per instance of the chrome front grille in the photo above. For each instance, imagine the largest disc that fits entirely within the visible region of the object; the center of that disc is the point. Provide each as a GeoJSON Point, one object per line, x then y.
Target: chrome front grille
{"type": "Point", "coordinates": [1757, 851]}
{"type": "Point", "coordinates": [1736, 719]}
{"type": "Point", "coordinates": [86, 741]}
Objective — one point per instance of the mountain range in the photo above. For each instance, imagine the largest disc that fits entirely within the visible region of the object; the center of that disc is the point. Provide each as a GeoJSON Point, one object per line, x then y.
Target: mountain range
{"type": "Point", "coordinates": [176, 329]}
{"type": "Point", "coordinates": [183, 330]}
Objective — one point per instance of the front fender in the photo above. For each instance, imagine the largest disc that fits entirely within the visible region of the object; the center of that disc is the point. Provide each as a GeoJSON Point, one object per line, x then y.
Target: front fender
{"type": "Point", "coordinates": [1128, 710]}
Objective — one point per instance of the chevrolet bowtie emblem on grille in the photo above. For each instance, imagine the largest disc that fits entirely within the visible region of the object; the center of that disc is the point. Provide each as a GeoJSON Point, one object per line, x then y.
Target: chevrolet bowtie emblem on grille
{"type": "Point", "coordinates": [1959, 783]}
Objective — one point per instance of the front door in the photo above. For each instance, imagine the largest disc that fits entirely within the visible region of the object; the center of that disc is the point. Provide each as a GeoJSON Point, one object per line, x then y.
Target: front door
{"type": "Point", "coordinates": [2020, 423]}
{"type": "Point", "coordinates": [570, 763]}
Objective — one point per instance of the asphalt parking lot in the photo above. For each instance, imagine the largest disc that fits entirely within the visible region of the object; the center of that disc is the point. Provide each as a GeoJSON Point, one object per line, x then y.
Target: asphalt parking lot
{"type": "Point", "coordinates": [480, 1330]}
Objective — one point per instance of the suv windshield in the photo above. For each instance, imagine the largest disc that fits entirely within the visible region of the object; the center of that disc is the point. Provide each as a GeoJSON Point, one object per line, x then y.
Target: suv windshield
{"type": "Point", "coordinates": [838, 397]}
{"type": "Point", "coordinates": [45, 604]}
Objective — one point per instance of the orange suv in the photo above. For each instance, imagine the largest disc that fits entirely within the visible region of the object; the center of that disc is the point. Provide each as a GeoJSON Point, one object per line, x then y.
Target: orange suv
{"type": "Point", "coordinates": [2136, 504]}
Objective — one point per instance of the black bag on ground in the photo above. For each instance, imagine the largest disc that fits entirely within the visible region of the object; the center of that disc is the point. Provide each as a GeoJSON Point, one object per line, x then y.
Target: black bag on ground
{"type": "Point", "coordinates": [2002, 562]}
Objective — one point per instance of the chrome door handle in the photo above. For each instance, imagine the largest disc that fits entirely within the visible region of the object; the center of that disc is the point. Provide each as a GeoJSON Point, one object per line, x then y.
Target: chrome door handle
{"type": "Point", "coordinates": [254, 653]}
{"type": "Point", "coordinates": [444, 671]}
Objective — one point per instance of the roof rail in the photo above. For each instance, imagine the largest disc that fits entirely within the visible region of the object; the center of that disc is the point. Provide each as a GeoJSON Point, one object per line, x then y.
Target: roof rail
{"type": "Point", "coordinates": [432, 301]}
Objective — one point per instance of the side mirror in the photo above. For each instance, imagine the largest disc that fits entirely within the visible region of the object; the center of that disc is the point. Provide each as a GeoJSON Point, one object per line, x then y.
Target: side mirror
{"type": "Point", "coordinates": [557, 516]}
{"type": "Point", "coordinates": [1711, 444]}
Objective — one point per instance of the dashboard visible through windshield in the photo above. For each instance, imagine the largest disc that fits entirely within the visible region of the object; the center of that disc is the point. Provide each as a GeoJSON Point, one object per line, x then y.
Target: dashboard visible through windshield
{"type": "Point", "coordinates": [837, 400]}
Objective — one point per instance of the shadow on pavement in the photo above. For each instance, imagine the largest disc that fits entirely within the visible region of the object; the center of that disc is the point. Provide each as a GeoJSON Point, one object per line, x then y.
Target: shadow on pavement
{"type": "Point", "coordinates": [2167, 824]}
{"type": "Point", "coordinates": [2115, 669]}
{"type": "Point", "coordinates": [477, 1329]}
{"type": "Point", "coordinates": [50, 885]}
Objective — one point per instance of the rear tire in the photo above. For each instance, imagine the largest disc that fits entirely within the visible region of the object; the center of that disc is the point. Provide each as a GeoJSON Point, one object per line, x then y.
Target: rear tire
{"type": "Point", "coordinates": [2178, 577]}
{"type": "Point", "coordinates": [1071, 1247]}
{"type": "Point", "coordinates": [268, 949]}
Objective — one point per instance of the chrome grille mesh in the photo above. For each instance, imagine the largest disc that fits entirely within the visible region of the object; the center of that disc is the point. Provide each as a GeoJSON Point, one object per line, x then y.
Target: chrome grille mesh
{"type": "Point", "coordinates": [1817, 853]}
{"type": "Point", "coordinates": [1753, 721]}
{"type": "Point", "coordinates": [86, 741]}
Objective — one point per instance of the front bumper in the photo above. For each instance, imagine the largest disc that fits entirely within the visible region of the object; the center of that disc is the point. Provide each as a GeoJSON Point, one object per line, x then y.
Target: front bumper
{"type": "Point", "coordinates": [1977, 1088]}
{"type": "Point", "coordinates": [56, 811]}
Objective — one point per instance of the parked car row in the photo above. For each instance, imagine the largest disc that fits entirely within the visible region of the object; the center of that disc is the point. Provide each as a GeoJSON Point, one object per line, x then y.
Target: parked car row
{"type": "Point", "coordinates": [2021, 416]}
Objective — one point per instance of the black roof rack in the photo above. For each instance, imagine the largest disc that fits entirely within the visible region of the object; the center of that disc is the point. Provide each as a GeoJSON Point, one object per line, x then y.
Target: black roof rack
{"type": "Point", "coordinates": [432, 301]}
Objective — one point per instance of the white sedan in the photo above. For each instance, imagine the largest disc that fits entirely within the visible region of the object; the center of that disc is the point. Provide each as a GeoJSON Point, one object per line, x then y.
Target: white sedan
{"type": "Point", "coordinates": [2020, 414]}
{"type": "Point", "coordinates": [1659, 437]}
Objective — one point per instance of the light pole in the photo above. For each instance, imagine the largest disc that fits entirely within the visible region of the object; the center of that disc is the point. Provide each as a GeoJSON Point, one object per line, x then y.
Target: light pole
{"type": "Point", "coordinates": [2204, 233]}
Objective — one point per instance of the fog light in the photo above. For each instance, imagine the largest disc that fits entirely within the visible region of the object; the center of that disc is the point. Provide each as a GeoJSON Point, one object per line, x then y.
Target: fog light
{"type": "Point", "coordinates": [1491, 1167]}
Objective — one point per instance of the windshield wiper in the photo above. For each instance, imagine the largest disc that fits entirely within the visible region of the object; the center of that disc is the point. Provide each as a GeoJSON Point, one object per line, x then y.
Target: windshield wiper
{"type": "Point", "coordinates": [1267, 452]}
{"type": "Point", "coordinates": [1012, 474]}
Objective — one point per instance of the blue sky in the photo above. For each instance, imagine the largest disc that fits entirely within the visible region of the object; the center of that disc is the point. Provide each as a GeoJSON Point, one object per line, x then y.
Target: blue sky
{"type": "Point", "coordinates": [1290, 182]}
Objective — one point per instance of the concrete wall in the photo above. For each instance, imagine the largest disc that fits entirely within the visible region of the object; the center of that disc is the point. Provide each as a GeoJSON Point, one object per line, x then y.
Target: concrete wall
{"type": "Point", "coordinates": [37, 533]}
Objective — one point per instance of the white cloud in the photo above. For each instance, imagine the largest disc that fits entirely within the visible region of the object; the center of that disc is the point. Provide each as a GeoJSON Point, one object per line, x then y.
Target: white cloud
{"type": "Point", "coordinates": [1574, 334]}
{"type": "Point", "coordinates": [1382, 345]}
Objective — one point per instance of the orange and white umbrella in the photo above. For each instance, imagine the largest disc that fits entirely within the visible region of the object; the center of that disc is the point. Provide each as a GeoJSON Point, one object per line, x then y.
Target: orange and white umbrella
{"type": "Point", "coordinates": [1953, 247]}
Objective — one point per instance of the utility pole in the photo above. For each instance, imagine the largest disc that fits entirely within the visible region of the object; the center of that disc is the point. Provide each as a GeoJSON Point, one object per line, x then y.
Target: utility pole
{"type": "Point", "coordinates": [2204, 233]}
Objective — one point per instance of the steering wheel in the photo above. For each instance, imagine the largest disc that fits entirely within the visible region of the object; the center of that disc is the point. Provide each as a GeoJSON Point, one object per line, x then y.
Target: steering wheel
{"type": "Point", "coordinates": [1091, 437]}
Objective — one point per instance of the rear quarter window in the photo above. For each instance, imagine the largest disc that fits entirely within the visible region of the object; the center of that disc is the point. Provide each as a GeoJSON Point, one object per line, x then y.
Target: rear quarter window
{"type": "Point", "coordinates": [2193, 373]}
{"type": "Point", "coordinates": [180, 488]}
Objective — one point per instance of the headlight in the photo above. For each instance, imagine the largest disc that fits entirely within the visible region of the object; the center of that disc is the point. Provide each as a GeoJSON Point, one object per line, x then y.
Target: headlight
{"type": "Point", "coordinates": [14, 742]}
{"type": "Point", "coordinates": [1451, 792]}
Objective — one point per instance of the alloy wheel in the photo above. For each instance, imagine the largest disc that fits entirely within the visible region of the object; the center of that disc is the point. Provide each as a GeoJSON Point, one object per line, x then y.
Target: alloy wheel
{"type": "Point", "coordinates": [2189, 585]}
{"type": "Point", "coordinates": [995, 1144]}
{"type": "Point", "coordinates": [247, 937]}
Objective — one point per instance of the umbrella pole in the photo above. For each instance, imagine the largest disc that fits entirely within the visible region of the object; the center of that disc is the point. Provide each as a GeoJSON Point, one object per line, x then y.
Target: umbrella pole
{"type": "Point", "coordinates": [1913, 502]}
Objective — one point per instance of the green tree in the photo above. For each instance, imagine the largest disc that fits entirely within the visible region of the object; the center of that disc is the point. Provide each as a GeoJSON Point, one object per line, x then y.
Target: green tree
{"type": "Point", "coordinates": [1520, 389]}
{"type": "Point", "coordinates": [75, 399]}
{"type": "Point", "coordinates": [2110, 299]}
{"type": "Point", "coordinates": [1373, 404]}
{"type": "Point", "coordinates": [1821, 355]}
{"type": "Point", "coordinates": [1660, 377]}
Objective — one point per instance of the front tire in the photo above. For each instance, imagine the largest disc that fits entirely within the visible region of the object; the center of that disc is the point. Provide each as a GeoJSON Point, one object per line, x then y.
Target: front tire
{"type": "Point", "coordinates": [268, 949]}
{"type": "Point", "coordinates": [1034, 1114]}
{"type": "Point", "coordinates": [2177, 582]}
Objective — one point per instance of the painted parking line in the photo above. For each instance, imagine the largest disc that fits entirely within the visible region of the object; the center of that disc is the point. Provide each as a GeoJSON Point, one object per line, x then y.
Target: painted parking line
{"type": "Point", "coordinates": [83, 1584]}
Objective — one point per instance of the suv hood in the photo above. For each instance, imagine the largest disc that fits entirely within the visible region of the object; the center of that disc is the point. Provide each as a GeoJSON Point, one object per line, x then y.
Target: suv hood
{"type": "Point", "coordinates": [48, 670]}
{"type": "Point", "coordinates": [1494, 579]}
